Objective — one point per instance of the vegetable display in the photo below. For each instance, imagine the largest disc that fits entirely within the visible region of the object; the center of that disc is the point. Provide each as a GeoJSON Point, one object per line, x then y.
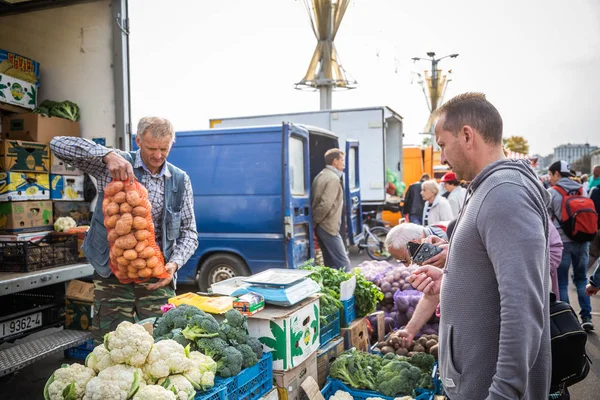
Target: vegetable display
{"type": "Point", "coordinates": [390, 375]}
{"type": "Point", "coordinates": [60, 109]}
{"type": "Point", "coordinates": [134, 255]}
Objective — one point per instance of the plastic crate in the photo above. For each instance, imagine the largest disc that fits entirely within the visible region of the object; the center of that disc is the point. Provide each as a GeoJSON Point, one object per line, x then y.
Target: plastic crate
{"type": "Point", "coordinates": [331, 329]}
{"type": "Point", "coordinates": [253, 382]}
{"type": "Point", "coordinates": [348, 312]}
{"type": "Point", "coordinates": [333, 385]}
{"type": "Point", "coordinates": [216, 393]}
{"type": "Point", "coordinates": [51, 251]}
{"type": "Point", "coordinates": [80, 352]}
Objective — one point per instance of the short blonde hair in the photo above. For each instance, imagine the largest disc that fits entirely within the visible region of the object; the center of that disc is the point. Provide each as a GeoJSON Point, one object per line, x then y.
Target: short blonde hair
{"type": "Point", "coordinates": [157, 127]}
{"type": "Point", "coordinates": [431, 185]}
{"type": "Point", "coordinates": [401, 234]}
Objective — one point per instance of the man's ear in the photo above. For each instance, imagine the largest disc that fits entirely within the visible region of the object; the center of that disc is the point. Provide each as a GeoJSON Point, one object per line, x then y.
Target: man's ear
{"type": "Point", "coordinates": [469, 135]}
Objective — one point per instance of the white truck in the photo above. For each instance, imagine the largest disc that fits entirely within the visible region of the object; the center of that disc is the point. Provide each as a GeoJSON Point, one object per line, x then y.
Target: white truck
{"type": "Point", "coordinates": [83, 51]}
{"type": "Point", "coordinates": [379, 131]}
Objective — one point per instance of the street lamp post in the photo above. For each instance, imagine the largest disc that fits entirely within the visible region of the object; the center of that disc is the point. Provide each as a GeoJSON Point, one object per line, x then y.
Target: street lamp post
{"type": "Point", "coordinates": [434, 94]}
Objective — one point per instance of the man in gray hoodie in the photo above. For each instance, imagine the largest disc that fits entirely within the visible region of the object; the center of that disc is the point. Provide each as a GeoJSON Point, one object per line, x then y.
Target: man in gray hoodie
{"type": "Point", "coordinates": [574, 253]}
{"type": "Point", "coordinates": [494, 289]}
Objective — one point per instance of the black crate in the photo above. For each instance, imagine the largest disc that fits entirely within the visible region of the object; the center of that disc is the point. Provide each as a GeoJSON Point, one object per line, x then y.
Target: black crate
{"type": "Point", "coordinates": [51, 251]}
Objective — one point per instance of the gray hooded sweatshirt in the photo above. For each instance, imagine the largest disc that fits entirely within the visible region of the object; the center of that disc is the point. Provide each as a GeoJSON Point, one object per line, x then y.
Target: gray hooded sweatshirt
{"type": "Point", "coordinates": [495, 323]}
{"type": "Point", "coordinates": [556, 208]}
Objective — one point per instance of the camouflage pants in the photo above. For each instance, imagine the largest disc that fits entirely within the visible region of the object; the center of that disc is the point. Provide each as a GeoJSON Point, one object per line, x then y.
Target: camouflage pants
{"type": "Point", "coordinates": [115, 302]}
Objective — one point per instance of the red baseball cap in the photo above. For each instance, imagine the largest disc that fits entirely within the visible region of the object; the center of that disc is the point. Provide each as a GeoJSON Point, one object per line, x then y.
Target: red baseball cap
{"type": "Point", "coordinates": [450, 176]}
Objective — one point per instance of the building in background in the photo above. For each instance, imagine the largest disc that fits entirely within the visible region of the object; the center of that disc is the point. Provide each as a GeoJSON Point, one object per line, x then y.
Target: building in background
{"type": "Point", "coordinates": [572, 152]}
{"type": "Point", "coordinates": [594, 158]}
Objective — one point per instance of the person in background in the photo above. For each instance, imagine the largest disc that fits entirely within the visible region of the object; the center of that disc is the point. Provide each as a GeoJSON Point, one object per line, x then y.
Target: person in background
{"type": "Point", "coordinates": [574, 253]}
{"type": "Point", "coordinates": [399, 235]}
{"type": "Point", "coordinates": [437, 208]}
{"type": "Point", "coordinates": [594, 181]}
{"type": "Point", "coordinates": [172, 215]}
{"type": "Point", "coordinates": [327, 205]}
{"type": "Point", "coordinates": [595, 243]}
{"type": "Point", "coordinates": [456, 193]}
{"type": "Point", "coordinates": [414, 203]}
{"type": "Point", "coordinates": [593, 287]}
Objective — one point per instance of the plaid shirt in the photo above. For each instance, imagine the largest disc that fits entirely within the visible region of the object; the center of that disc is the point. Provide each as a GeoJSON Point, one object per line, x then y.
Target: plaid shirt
{"type": "Point", "coordinates": [87, 156]}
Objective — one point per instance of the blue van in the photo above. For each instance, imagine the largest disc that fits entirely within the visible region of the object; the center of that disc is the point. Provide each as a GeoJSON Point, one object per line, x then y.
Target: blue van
{"type": "Point", "coordinates": [252, 197]}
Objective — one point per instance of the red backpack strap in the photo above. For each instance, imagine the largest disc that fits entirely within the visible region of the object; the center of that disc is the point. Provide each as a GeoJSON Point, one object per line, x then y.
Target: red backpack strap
{"type": "Point", "coordinates": [563, 203]}
{"type": "Point", "coordinates": [560, 190]}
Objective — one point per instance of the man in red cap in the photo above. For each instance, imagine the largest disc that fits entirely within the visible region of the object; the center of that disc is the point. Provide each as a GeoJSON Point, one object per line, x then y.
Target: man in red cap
{"type": "Point", "coordinates": [456, 192]}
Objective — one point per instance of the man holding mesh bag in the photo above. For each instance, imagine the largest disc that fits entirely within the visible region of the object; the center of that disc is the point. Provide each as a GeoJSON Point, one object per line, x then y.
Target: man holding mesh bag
{"type": "Point", "coordinates": [170, 197]}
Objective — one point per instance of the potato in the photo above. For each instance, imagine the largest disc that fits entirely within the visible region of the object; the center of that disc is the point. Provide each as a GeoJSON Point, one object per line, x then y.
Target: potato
{"type": "Point", "coordinates": [115, 251]}
{"type": "Point", "coordinates": [430, 343]}
{"type": "Point", "coordinates": [147, 252]}
{"type": "Point", "coordinates": [106, 202]}
{"type": "Point", "coordinates": [122, 261]}
{"type": "Point", "coordinates": [112, 236]}
{"type": "Point", "coordinates": [133, 198]}
{"type": "Point", "coordinates": [120, 197]}
{"type": "Point", "coordinates": [124, 224]}
{"type": "Point", "coordinates": [132, 275]}
{"type": "Point", "coordinates": [130, 254]}
{"type": "Point", "coordinates": [125, 208]}
{"type": "Point", "coordinates": [142, 235]}
{"type": "Point", "coordinates": [152, 262]}
{"type": "Point", "coordinates": [138, 263]}
{"type": "Point", "coordinates": [140, 223]}
{"type": "Point", "coordinates": [145, 273]}
{"type": "Point", "coordinates": [158, 270]}
{"type": "Point", "coordinates": [122, 268]}
{"type": "Point", "coordinates": [111, 222]}
{"type": "Point", "coordinates": [141, 246]}
{"type": "Point", "coordinates": [434, 351]}
{"type": "Point", "coordinates": [121, 275]}
{"type": "Point", "coordinates": [131, 268]}
{"type": "Point", "coordinates": [418, 348]}
{"type": "Point", "coordinates": [401, 351]}
{"type": "Point", "coordinates": [422, 341]}
{"type": "Point", "coordinates": [140, 211]}
{"type": "Point", "coordinates": [113, 187]}
{"type": "Point", "coordinates": [126, 242]}
{"type": "Point", "coordinates": [111, 209]}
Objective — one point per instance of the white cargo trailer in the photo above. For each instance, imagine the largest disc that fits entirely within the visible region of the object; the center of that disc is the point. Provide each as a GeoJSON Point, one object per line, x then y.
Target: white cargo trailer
{"type": "Point", "coordinates": [378, 130]}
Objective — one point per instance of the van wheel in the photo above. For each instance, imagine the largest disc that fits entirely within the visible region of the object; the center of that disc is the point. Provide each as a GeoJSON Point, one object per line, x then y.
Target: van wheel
{"type": "Point", "coordinates": [220, 267]}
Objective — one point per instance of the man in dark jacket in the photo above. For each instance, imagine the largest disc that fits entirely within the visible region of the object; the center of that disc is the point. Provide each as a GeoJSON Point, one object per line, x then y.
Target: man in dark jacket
{"type": "Point", "coordinates": [414, 203]}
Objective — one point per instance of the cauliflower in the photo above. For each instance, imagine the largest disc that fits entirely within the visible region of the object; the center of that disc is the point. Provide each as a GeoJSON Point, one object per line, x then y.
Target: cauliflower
{"type": "Point", "coordinates": [167, 357]}
{"type": "Point", "coordinates": [154, 392]}
{"type": "Point", "coordinates": [68, 382]}
{"type": "Point", "coordinates": [201, 373]}
{"type": "Point", "coordinates": [179, 385]}
{"type": "Point", "coordinates": [129, 344]}
{"type": "Point", "coordinates": [99, 359]}
{"type": "Point", "coordinates": [341, 395]}
{"type": "Point", "coordinates": [63, 224]}
{"type": "Point", "coordinates": [118, 382]}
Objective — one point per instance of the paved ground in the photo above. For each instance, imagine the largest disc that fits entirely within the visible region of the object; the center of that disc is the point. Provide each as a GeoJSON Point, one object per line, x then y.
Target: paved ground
{"type": "Point", "coordinates": [28, 383]}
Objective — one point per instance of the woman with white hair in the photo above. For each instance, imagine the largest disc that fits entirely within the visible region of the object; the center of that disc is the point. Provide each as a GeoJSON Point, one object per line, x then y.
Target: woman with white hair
{"type": "Point", "coordinates": [437, 208]}
{"type": "Point", "coordinates": [398, 236]}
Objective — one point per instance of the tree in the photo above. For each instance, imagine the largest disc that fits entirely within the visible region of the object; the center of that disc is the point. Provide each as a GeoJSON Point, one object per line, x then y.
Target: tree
{"type": "Point", "coordinates": [583, 165]}
{"type": "Point", "coordinates": [517, 144]}
{"type": "Point", "coordinates": [426, 141]}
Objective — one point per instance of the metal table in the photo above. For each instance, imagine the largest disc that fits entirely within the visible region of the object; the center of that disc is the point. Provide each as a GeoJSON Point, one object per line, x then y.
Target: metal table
{"type": "Point", "coordinates": [14, 282]}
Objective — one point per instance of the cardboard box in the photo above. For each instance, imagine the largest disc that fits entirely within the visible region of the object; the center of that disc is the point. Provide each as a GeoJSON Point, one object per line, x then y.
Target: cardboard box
{"type": "Point", "coordinates": [290, 333]}
{"type": "Point", "coordinates": [78, 210]}
{"type": "Point", "coordinates": [325, 356]}
{"type": "Point", "coordinates": [17, 66]}
{"type": "Point", "coordinates": [66, 188]}
{"type": "Point", "coordinates": [78, 315]}
{"type": "Point", "coordinates": [80, 231]}
{"type": "Point", "coordinates": [23, 186]}
{"type": "Point", "coordinates": [24, 237]}
{"type": "Point", "coordinates": [19, 156]}
{"type": "Point", "coordinates": [288, 382]}
{"type": "Point", "coordinates": [271, 395]}
{"type": "Point", "coordinates": [356, 335]}
{"type": "Point", "coordinates": [57, 167]}
{"type": "Point", "coordinates": [380, 318]}
{"type": "Point", "coordinates": [26, 216]}
{"type": "Point", "coordinates": [80, 290]}
{"type": "Point", "coordinates": [249, 304]}
{"type": "Point", "coordinates": [36, 128]}
{"type": "Point", "coordinates": [18, 92]}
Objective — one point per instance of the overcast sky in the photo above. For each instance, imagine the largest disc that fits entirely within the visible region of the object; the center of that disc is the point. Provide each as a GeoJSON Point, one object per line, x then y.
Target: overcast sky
{"type": "Point", "coordinates": [538, 61]}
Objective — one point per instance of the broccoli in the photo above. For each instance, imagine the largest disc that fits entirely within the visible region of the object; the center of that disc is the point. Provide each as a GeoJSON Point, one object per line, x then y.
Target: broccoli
{"type": "Point", "coordinates": [212, 347]}
{"type": "Point", "coordinates": [177, 335]}
{"type": "Point", "coordinates": [256, 346]}
{"type": "Point", "coordinates": [175, 318]}
{"type": "Point", "coordinates": [423, 361]}
{"type": "Point", "coordinates": [235, 328]}
{"type": "Point", "coordinates": [201, 326]}
{"type": "Point", "coordinates": [398, 377]}
{"type": "Point", "coordinates": [248, 354]}
{"type": "Point", "coordinates": [230, 363]}
{"type": "Point", "coordinates": [426, 381]}
{"type": "Point", "coordinates": [356, 369]}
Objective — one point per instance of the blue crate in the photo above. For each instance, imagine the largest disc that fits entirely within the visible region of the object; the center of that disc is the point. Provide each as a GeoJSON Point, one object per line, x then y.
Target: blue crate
{"type": "Point", "coordinates": [333, 385]}
{"type": "Point", "coordinates": [252, 382]}
{"type": "Point", "coordinates": [80, 352]}
{"type": "Point", "coordinates": [331, 329]}
{"type": "Point", "coordinates": [216, 393]}
{"type": "Point", "coordinates": [348, 312]}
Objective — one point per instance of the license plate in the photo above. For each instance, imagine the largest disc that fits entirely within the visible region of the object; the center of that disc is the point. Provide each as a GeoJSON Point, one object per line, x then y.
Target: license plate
{"type": "Point", "coordinates": [22, 324]}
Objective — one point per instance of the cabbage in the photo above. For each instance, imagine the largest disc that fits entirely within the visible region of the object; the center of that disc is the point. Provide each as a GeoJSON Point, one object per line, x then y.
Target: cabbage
{"type": "Point", "coordinates": [63, 224]}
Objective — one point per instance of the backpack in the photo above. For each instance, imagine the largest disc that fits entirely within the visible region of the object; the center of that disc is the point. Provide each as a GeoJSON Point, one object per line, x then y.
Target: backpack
{"type": "Point", "coordinates": [570, 363]}
{"type": "Point", "coordinates": [579, 220]}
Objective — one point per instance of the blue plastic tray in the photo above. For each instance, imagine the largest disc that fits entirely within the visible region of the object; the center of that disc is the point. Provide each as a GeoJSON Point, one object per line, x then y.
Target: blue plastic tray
{"type": "Point", "coordinates": [216, 393]}
{"type": "Point", "coordinates": [80, 352]}
{"type": "Point", "coordinates": [331, 329]}
{"type": "Point", "coordinates": [333, 385]}
{"type": "Point", "coordinates": [348, 312]}
{"type": "Point", "coordinates": [252, 382]}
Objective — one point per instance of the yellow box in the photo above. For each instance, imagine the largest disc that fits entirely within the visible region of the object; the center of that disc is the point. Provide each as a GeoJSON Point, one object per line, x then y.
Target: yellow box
{"type": "Point", "coordinates": [213, 305]}
{"type": "Point", "coordinates": [17, 155]}
{"type": "Point", "coordinates": [23, 186]}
